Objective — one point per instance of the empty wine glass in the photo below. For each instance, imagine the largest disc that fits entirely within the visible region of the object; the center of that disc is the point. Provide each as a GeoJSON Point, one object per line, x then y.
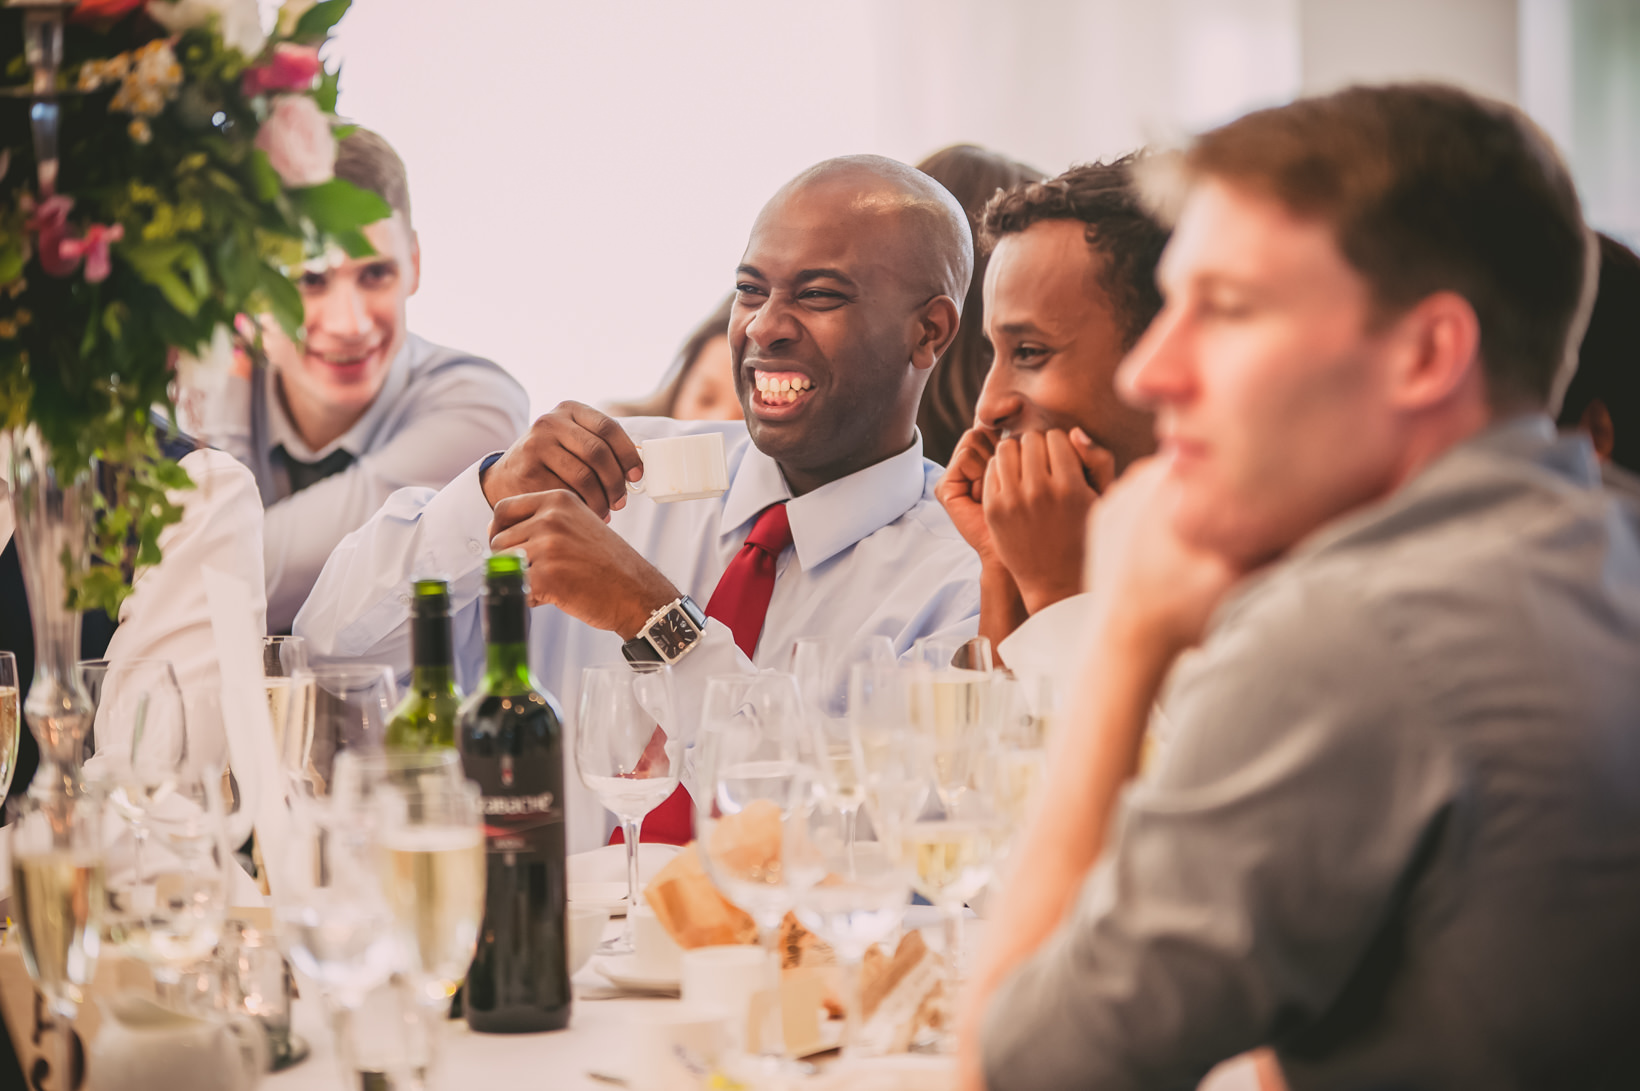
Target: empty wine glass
{"type": "Point", "coordinates": [140, 730]}
{"type": "Point", "coordinates": [762, 763]}
{"type": "Point", "coordinates": [625, 756]}
{"type": "Point", "coordinates": [895, 762]}
{"type": "Point", "coordinates": [57, 902]}
{"type": "Point", "coordinates": [10, 720]}
{"type": "Point", "coordinates": [850, 890]}
{"type": "Point", "coordinates": [822, 666]}
{"type": "Point", "coordinates": [351, 707]}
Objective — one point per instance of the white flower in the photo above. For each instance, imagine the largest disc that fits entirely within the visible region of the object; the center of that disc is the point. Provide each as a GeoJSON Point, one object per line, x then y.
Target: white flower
{"type": "Point", "coordinates": [239, 21]}
{"type": "Point", "coordinates": [298, 141]}
{"type": "Point", "coordinates": [290, 13]}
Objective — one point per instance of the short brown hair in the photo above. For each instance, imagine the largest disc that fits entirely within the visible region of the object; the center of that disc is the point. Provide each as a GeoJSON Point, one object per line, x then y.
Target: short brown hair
{"type": "Point", "coordinates": [1430, 188]}
{"type": "Point", "coordinates": [973, 175]}
{"type": "Point", "coordinates": [369, 162]}
{"type": "Point", "coordinates": [1116, 224]}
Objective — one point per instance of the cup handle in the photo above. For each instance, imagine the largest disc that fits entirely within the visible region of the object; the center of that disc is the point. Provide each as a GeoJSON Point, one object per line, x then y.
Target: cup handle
{"type": "Point", "coordinates": [636, 486]}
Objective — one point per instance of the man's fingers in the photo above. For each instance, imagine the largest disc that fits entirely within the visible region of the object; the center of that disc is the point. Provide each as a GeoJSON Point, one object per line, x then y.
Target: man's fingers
{"type": "Point", "coordinates": [511, 511]}
{"type": "Point", "coordinates": [1033, 458]}
{"type": "Point", "coordinates": [1099, 464]}
{"type": "Point", "coordinates": [609, 430]}
{"type": "Point", "coordinates": [1064, 464]}
{"type": "Point", "coordinates": [1006, 463]}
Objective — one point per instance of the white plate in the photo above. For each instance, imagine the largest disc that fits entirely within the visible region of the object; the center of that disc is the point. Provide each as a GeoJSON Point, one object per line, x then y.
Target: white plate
{"type": "Point", "coordinates": [623, 973]}
{"type": "Point", "coordinates": [610, 896]}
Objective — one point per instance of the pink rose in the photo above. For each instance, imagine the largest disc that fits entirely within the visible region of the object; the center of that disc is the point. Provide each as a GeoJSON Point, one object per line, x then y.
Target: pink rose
{"type": "Point", "coordinates": [291, 68]}
{"type": "Point", "coordinates": [298, 141]}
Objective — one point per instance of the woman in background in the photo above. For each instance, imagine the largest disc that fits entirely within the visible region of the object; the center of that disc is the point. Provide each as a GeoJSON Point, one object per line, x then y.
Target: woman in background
{"type": "Point", "coordinates": [700, 384]}
{"type": "Point", "coordinates": [973, 175]}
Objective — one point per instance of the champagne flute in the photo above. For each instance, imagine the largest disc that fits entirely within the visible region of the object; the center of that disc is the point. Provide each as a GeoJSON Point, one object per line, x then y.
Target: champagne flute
{"type": "Point", "coordinates": [851, 891]}
{"type": "Point", "coordinates": [140, 730]}
{"type": "Point", "coordinates": [57, 899]}
{"type": "Point", "coordinates": [821, 666]}
{"type": "Point", "coordinates": [625, 755]}
{"type": "Point", "coordinates": [895, 763]}
{"type": "Point", "coordinates": [10, 707]}
{"type": "Point", "coordinates": [760, 762]}
{"type": "Point", "coordinates": [952, 705]}
{"type": "Point", "coordinates": [288, 683]}
{"type": "Point", "coordinates": [430, 839]}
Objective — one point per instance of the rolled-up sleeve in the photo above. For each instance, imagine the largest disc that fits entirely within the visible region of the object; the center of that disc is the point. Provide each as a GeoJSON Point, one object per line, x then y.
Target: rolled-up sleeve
{"type": "Point", "coordinates": [1246, 879]}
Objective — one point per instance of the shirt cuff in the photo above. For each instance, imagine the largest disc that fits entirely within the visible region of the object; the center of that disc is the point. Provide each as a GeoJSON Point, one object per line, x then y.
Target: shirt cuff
{"type": "Point", "coordinates": [1047, 644]}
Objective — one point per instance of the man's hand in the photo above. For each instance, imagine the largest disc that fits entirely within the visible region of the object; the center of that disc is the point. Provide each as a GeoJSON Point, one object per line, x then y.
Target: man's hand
{"type": "Point", "coordinates": [574, 448]}
{"type": "Point", "coordinates": [578, 564]}
{"type": "Point", "coordinates": [1038, 491]}
{"type": "Point", "coordinates": [961, 491]}
{"type": "Point", "coordinates": [1154, 591]}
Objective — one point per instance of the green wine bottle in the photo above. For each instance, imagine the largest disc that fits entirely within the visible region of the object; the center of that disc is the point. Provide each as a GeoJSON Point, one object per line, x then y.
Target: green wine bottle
{"type": "Point", "coordinates": [426, 718]}
{"type": "Point", "coordinates": [512, 744]}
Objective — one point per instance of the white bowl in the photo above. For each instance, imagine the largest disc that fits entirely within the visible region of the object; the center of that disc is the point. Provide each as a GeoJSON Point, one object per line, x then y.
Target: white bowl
{"type": "Point", "coordinates": [586, 931]}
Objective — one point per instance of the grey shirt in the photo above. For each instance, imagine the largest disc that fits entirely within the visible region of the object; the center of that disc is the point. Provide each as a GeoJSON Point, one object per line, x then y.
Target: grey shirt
{"type": "Point", "coordinates": [1396, 834]}
{"type": "Point", "coordinates": [439, 410]}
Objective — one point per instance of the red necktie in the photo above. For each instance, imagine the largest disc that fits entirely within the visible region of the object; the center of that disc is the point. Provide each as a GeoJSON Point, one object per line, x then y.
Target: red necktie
{"type": "Point", "coordinates": [741, 602]}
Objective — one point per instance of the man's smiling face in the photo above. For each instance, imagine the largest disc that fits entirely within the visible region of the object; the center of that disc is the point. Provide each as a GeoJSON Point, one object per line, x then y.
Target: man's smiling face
{"type": "Point", "coordinates": [826, 322]}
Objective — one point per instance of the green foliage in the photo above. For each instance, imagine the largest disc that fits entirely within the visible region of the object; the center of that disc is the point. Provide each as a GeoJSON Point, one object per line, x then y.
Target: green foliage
{"type": "Point", "coordinates": [210, 232]}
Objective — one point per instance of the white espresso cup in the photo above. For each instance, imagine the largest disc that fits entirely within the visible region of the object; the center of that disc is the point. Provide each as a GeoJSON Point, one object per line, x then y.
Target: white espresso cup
{"type": "Point", "coordinates": [725, 980]}
{"type": "Point", "coordinates": [683, 468]}
{"type": "Point", "coordinates": [672, 1044]}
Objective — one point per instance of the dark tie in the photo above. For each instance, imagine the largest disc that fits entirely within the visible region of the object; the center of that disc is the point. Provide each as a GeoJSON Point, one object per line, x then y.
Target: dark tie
{"type": "Point", "coordinates": [303, 474]}
{"type": "Point", "coordinates": [741, 602]}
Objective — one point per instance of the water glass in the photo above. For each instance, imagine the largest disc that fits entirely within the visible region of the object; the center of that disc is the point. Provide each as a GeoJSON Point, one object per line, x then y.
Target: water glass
{"type": "Point", "coordinates": [351, 708]}
{"type": "Point", "coordinates": [625, 755]}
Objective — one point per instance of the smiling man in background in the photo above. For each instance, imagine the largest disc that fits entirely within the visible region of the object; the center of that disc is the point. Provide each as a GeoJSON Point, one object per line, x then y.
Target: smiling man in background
{"type": "Point", "coordinates": [359, 407]}
{"type": "Point", "coordinates": [1070, 286]}
{"type": "Point", "coordinates": [848, 292]}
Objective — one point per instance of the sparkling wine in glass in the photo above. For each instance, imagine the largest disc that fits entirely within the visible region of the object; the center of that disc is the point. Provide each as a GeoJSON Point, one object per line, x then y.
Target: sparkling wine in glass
{"type": "Point", "coordinates": [10, 721]}
{"type": "Point", "coordinates": [57, 902]}
{"type": "Point", "coordinates": [625, 755]}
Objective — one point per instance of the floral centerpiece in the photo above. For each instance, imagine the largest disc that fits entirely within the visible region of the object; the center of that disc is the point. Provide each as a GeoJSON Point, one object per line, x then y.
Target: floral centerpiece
{"type": "Point", "coordinates": [165, 167]}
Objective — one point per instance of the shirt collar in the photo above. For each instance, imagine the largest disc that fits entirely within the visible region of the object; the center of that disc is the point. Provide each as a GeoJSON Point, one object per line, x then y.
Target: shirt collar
{"type": "Point", "coordinates": [835, 516]}
{"type": "Point", "coordinates": [356, 440]}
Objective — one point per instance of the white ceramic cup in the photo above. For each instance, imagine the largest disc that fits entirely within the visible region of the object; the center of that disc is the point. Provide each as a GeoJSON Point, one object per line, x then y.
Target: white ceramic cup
{"type": "Point", "coordinates": [725, 979]}
{"type": "Point", "coordinates": [655, 953]}
{"type": "Point", "coordinates": [682, 468]}
{"type": "Point", "coordinates": [670, 1045]}
{"type": "Point", "coordinates": [586, 931]}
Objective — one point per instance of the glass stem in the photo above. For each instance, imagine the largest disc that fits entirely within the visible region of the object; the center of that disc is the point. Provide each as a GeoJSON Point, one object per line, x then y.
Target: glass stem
{"type": "Point", "coordinates": [851, 826]}
{"type": "Point", "coordinates": [630, 828]}
{"type": "Point", "coordinates": [771, 1036]}
{"type": "Point", "coordinates": [852, 1014]}
{"type": "Point", "coordinates": [65, 1047]}
{"type": "Point", "coordinates": [951, 929]}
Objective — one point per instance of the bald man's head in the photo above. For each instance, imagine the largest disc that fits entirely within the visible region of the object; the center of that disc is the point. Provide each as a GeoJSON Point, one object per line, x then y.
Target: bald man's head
{"type": "Point", "coordinates": [850, 289]}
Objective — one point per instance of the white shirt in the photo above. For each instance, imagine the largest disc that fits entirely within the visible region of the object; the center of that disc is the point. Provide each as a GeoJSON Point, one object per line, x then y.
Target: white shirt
{"type": "Point", "coordinates": [437, 411]}
{"type": "Point", "coordinates": [872, 553]}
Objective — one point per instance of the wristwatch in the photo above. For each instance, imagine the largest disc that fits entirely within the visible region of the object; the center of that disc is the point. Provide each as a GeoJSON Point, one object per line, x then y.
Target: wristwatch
{"type": "Point", "coordinates": [670, 633]}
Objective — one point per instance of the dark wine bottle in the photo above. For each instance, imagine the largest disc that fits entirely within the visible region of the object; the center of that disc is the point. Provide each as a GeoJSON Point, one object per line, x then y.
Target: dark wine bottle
{"type": "Point", "coordinates": [511, 738]}
{"type": "Point", "coordinates": [426, 718]}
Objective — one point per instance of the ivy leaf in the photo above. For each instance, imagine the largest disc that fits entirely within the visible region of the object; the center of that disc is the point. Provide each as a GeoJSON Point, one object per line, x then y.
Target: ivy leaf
{"type": "Point", "coordinates": [283, 300]}
{"type": "Point", "coordinates": [330, 86]}
{"type": "Point", "coordinates": [263, 176]}
{"type": "Point", "coordinates": [155, 262]}
{"type": "Point", "coordinates": [337, 206]}
{"type": "Point", "coordinates": [316, 21]}
{"type": "Point", "coordinates": [355, 244]}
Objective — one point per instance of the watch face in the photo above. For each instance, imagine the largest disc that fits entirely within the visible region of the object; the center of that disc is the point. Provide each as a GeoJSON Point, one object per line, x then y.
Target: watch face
{"type": "Point", "coordinates": [673, 633]}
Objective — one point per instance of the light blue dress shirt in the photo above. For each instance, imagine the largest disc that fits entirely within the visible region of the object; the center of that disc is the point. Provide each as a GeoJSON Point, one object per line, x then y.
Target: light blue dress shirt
{"type": "Point", "coordinates": [872, 553]}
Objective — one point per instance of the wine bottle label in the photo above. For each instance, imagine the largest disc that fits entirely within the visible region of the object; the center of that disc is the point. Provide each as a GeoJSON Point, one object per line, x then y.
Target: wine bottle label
{"type": "Point", "coordinates": [515, 824]}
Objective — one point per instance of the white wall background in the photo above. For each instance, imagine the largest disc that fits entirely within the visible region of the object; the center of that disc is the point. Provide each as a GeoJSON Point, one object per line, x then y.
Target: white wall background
{"type": "Point", "coordinates": [584, 173]}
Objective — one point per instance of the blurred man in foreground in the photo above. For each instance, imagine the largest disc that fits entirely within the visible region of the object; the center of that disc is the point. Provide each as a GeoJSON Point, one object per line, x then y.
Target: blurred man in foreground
{"type": "Point", "coordinates": [1396, 835]}
{"type": "Point", "coordinates": [1070, 287]}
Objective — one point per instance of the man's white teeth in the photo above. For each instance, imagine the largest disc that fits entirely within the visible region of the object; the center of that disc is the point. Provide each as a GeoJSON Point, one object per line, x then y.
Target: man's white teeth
{"type": "Point", "coordinates": [780, 389]}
